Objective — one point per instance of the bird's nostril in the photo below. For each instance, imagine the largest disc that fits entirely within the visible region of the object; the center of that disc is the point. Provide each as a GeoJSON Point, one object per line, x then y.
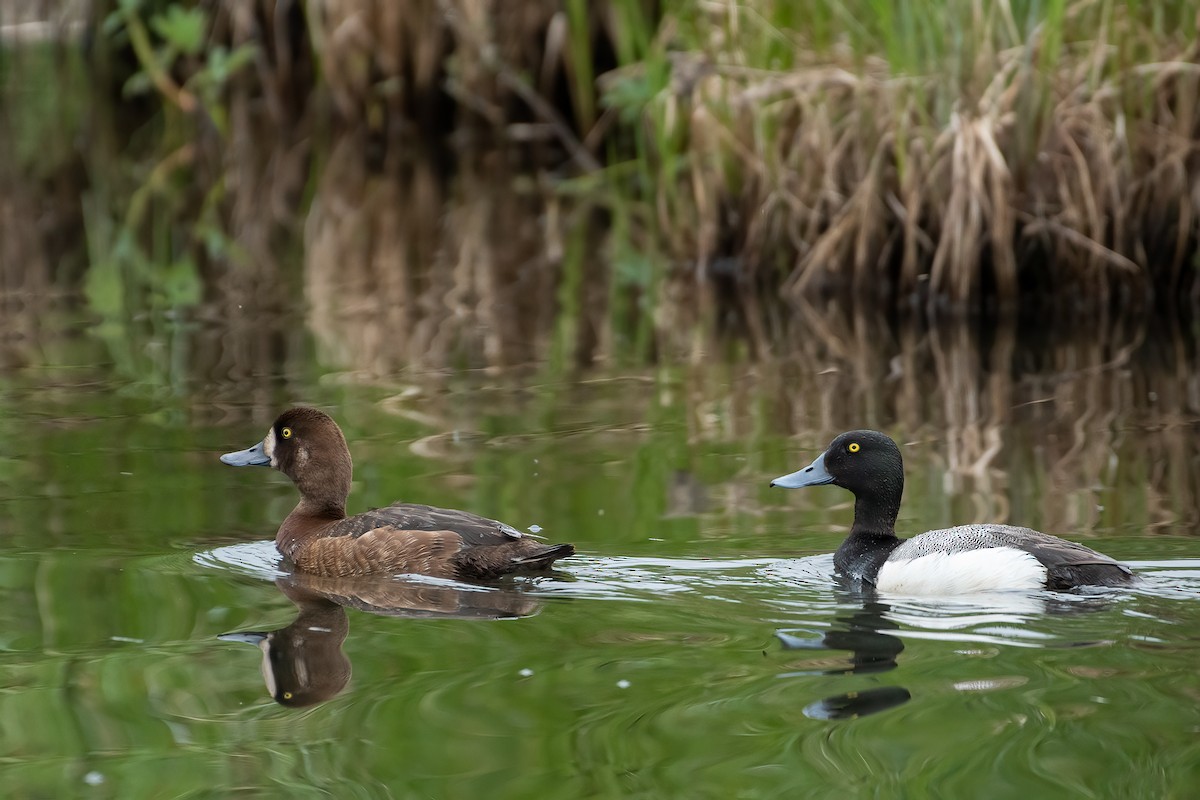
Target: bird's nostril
{"type": "Point", "coordinates": [808, 469]}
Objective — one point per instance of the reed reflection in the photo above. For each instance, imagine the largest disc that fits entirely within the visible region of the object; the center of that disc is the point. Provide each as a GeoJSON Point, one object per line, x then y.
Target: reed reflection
{"type": "Point", "coordinates": [1066, 424]}
{"type": "Point", "coordinates": [1062, 427]}
{"type": "Point", "coordinates": [303, 663]}
{"type": "Point", "coordinates": [411, 266]}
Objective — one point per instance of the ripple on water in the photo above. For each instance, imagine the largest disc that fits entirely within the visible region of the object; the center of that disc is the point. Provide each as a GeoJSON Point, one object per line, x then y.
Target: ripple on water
{"type": "Point", "coordinates": [1176, 579]}
{"type": "Point", "coordinates": [810, 607]}
{"type": "Point", "coordinates": [649, 579]}
{"type": "Point", "coordinates": [807, 596]}
{"type": "Point", "coordinates": [255, 559]}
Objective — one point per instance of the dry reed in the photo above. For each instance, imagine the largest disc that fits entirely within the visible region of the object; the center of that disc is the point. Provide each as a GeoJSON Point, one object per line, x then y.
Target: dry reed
{"type": "Point", "coordinates": [1071, 175]}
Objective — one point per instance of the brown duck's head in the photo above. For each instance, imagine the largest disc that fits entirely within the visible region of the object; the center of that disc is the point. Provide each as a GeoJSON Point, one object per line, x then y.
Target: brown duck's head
{"type": "Point", "coordinates": [306, 445]}
{"type": "Point", "coordinates": [303, 664]}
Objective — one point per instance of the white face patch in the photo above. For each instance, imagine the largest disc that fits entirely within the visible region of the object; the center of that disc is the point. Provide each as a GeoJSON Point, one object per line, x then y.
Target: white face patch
{"type": "Point", "coordinates": [267, 672]}
{"type": "Point", "coordinates": [269, 447]}
{"type": "Point", "coordinates": [986, 570]}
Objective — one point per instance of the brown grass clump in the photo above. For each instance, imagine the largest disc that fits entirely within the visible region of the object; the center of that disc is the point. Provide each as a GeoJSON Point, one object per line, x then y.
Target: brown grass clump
{"type": "Point", "coordinates": [1041, 166]}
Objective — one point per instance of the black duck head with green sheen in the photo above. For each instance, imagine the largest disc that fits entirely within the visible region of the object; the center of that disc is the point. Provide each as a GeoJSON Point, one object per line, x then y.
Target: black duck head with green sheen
{"type": "Point", "coordinates": [868, 463]}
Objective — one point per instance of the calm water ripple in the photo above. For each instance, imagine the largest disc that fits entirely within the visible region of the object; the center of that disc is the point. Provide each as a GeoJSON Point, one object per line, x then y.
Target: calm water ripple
{"type": "Point", "coordinates": [698, 647]}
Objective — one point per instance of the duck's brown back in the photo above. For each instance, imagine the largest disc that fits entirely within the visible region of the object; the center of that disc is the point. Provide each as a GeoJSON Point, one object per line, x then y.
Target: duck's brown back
{"type": "Point", "coordinates": [412, 538]}
{"type": "Point", "coordinates": [475, 531]}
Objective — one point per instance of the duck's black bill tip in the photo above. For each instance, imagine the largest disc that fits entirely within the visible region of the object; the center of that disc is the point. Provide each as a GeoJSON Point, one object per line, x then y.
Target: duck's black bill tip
{"type": "Point", "coordinates": [250, 457]}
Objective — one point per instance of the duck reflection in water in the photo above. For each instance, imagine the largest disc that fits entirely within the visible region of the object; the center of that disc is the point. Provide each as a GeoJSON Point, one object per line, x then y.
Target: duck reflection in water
{"type": "Point", "coordinates": [863, 623]}
{"type": "Point", "coordinates": [861, 631]}
{"type": "Point", "coordinates": [303, 663]}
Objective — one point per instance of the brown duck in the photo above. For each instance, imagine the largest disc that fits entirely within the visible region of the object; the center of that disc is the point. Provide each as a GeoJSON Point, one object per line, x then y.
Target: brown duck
{"type": "Point", "coordinates": [307, 445]}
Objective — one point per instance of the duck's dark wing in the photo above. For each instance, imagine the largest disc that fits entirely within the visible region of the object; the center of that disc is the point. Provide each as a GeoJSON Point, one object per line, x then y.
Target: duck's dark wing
{"type": "Point", "coordinates": [1068, 564]}
{"type": "Point", "coordinates": [475, 531]}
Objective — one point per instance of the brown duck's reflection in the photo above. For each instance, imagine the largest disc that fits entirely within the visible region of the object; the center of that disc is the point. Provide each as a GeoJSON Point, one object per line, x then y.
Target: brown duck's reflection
{"type": "Point", "coordinates": [862, 632]}
{"type": "Point", "coordinates": [303, 663]}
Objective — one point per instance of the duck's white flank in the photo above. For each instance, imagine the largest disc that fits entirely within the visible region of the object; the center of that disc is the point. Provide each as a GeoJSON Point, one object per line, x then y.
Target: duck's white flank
{"type": "Point", "coordinates": [985, 570]}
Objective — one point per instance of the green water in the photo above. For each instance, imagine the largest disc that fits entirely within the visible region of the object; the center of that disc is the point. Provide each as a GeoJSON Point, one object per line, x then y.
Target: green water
{"type": "Point", "coordinates": [649, 666]}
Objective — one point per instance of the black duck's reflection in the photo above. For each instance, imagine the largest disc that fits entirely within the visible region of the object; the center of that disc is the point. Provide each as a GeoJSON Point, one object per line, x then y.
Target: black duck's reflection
{"type": "Point", "coordinates": [863, 622]}
{"type": "Point", "coordinates": [303, 663]}
{"type": "Point", "coordinates": [861, 632]}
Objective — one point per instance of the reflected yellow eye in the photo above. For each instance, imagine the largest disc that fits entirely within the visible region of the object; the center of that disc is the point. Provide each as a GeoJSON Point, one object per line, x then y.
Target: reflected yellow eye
{"type": "Point", "coordinates": [853, 448]}
{"type": "Point", "coordinates": [287, 695]}
{"type": "Point", "coordinates": [287, 434]}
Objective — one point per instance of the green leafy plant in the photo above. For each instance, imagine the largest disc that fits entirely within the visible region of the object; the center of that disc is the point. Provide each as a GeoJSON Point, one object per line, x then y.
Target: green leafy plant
{"type": "Point", "coordinates": [172, 36]}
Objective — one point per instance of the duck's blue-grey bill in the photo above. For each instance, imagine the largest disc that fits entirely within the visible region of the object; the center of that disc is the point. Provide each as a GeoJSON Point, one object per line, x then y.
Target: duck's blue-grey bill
{"type": "Point", "coordinates": [249, 637]}
{"type": "Point", "coordinates": [814, 474]}
{"type": "Point", "coordinates": [250, 457]}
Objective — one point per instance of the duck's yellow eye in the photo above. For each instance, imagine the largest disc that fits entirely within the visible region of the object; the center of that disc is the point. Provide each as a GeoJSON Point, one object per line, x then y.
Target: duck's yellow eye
{"type": "Point", "coordinates": [853, 447]}
{"type": "Point", "coordinates": [287, 434]}
{"type": "Point", "coordinates": [287, 695]}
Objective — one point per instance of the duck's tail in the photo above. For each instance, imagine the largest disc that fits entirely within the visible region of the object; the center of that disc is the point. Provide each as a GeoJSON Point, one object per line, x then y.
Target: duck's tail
{"type": "Point", "coordinates": [522, 555]}
{"type": "Point", "coordinates": [1060, 577]}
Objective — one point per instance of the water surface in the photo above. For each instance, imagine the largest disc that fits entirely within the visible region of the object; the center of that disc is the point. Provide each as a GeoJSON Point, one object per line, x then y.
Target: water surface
{"type": "Point", "coordinates": [697, 646]}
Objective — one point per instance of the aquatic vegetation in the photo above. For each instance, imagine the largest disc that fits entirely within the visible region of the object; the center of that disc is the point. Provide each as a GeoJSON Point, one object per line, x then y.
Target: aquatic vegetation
{"type": "Point", "coordinates": [690, 166]}
{"type": "Point", "coordinates": [933, 154]}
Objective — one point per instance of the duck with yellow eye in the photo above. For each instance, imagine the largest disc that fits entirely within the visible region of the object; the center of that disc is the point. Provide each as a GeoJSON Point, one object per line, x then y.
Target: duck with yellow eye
{"type": "Point", "coordinates": [307, 445]}
{"type": "Point", "coordinates": [963, 559]}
